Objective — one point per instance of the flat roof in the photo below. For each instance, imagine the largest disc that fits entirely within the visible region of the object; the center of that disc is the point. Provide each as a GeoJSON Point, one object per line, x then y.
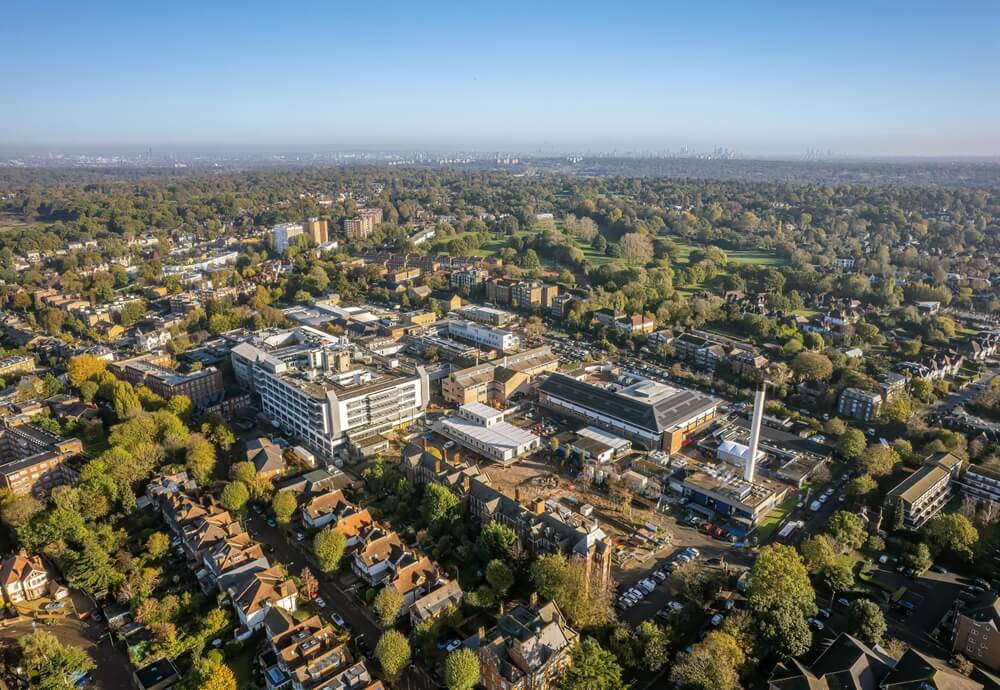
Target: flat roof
{"type": "Point", "coordinates": [502, 435]}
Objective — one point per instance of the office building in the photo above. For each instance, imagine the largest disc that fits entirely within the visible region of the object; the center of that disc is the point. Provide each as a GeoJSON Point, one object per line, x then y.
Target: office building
{"type": "Point", "coordinates": [498, 380]}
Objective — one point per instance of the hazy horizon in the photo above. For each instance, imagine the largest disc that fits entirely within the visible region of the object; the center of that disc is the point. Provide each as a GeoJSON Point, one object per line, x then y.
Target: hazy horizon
{"type": "Point", "coordinates": [888, 80]}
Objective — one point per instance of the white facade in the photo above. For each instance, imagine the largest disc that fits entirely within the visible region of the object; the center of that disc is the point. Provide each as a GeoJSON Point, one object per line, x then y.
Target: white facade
{"type": "Point", "coordinates": [481, 429]}
{"type": "Point", "coordinates": [283, 235]}
{"type": "Point", "coordinates": [494, 338]}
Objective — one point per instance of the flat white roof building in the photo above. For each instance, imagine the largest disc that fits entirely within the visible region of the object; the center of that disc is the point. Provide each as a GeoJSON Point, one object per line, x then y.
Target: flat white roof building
{"type": "Point", "coordinates": [481, 429]}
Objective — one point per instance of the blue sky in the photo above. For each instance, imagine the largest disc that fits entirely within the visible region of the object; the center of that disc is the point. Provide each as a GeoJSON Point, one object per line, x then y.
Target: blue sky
{"type": "Point", "coordinates": [769, 78]}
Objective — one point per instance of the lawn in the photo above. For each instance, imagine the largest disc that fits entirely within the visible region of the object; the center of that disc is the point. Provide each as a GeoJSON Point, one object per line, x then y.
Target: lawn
{"type": "Point", "coordinates": [776, 517]}
{"type": "Point", "coordinates": [242, 661]}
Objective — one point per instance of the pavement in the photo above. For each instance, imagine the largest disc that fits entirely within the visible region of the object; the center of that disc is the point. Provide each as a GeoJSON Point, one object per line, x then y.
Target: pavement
{"type": "Point", "coordinates": [293, 555]}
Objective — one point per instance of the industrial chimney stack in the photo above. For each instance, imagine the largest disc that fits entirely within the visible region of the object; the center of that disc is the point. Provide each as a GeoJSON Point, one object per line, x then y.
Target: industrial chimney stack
{"type": "Point", "coordinates": [755, 422]}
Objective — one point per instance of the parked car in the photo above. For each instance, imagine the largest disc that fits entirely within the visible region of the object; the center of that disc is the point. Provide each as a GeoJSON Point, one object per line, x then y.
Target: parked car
{"type": "Point", "coordinates": [336, 618]}
{"type": "Point", "coordinates": [717, 619]}
{"type": "Point", "coordinates": [816, 623]}
{"type": "Point", "coordinates": [321, 602]}
{"type": "Point", "coordinates": [843, 601]}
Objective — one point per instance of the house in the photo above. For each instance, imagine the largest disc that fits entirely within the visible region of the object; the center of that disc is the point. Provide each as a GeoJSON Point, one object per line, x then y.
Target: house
{"type": "Point", "coordinates": [976, 631]}
{"type": "Point", "coordinates": [526, 649]}
{"type": "Point", "coordinates": [919, 672]}
{"type": "Point", "coordinates": [448, 301]}
{"type": "Point", "coordinates": [302, 655]}
{"type": "Point", "coordinates": [254, 595]}
{"type": "Point", "coordinates": [231, 559]}
{"type": "Point", "coordinates": [414, 579]}
{"type": "Point", "coordinates": [846, 663]}
{"type": "Point", "coordinates": [378, 557]}
{"type": "Point", "coordinates": [25, 578]}
{"type": "Point", "coordinates": [324, 508]}
{"type": "Point", "coordinates": [267, 458]}
{"type": "Point", "coordinates": [159, 675]}
{"type": "Point", "coordinates": [433, 604]}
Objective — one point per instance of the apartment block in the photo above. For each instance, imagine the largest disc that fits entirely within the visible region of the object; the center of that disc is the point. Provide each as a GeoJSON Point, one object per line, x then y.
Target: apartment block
{"type": "Point", "coordinates": [33, 461]}
{"type": "Point", "coordinates": [204, 387]}
{"type": "Point", "coordinates": [317, 230]}
{"type": "Point", "coordinates": [284, 234]}
{"type": "Point", "coordinates": [926, 491]}
{"type": "Point", "coordinates": [855, 403]}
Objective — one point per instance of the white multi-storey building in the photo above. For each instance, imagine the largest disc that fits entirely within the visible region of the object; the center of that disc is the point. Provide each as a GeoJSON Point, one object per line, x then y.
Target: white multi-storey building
{"type": "Point", "coordinates": [283, 235]}
{"type": "Point", "coordinates": [486, 336]}
{"type": "Point", "coordinates": [316, 392]}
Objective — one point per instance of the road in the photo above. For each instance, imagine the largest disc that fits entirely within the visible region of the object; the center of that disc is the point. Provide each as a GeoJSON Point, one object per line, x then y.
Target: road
{"type": "Point", "coordinates": [362, 622]}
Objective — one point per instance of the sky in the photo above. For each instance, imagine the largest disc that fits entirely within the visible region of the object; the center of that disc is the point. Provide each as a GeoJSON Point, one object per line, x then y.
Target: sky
{"type": "Point", "coordinates": [762, 78]}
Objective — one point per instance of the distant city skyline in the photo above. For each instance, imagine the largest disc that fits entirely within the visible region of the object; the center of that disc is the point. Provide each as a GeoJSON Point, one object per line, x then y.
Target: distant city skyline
{"type": "Point", "coordinates": [868, 80]}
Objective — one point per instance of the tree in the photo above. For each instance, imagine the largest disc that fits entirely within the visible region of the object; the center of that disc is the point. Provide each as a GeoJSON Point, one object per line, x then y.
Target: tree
{"type": "Point", "coordinates": [89, 390]}
{"type": "Point", "coordinates": [393, 653]}
{"type": "Point", "coordinates": [125, 400]}
{"type": "Point", "coordinates": [653, 644]}
{"type": "Point", "coordinates": [461, 670]}
{"type": "Point", "coordinates": [781, 597]}
{"type": "Point", "coordinates": [951, 532]}
{"type": "Point", "coordinates": [818, 553]}
{"type": "Point", "coordinates": [180, 405]}
{"type": "Point", "coordinates": [328, 546]}
{"type": "Point", "coordinates": [852, 444]}
{"type": "Point", "coordinates": [877, 460]}
{"type": "Point", "coordinates": [283, 505]}
{"type": "Point", "coordinates": [898, 516]}
{"type": "Point", "coordinates": [221, 677]}
{"type": "Point", "coordinates": [16, 510]}
{"type": "Point", "coordinates": [637, 248]}
{"type": "Point", "coordinates": [84, 368]}
{"type": "Point", "coordinates": [499, 576]}
{"type": "Point", "coordinates": [496, 540]}
{"type": "Point", "coordinates": [592, 668]}
{"type": "Point", "coordinates": [387, 604]}
{"type": "Point", "coordinates": [866, 621]}
{"type": "Point", "coordinates": [92, 569]}
{"type": "Point", "coordinates": [310, 585]}
{"type": "Point", "coordinates": [713, 664]}
{"type": "Point", "coordinates": [235, 495]}
{"type": "Point", "coordinates": [847, 529]}
{"type": "Point", "coordinates": [812, 366]}
{"type": "Point", "coordinates": [50, 664]}
{"type": "Point", "coordinates": [200, 458]}
{"type": "Point", "coordinates": [439, 504]}
{"type": "Point", "coordinates": [861, 486]}
{"type": "Point", "coordinates": [896, 410]}
{"type": "Point", "coordinates": [918, 557]}
{"type": "Point", "coordinates": [585, 602]}
{"type": "Point", "coordinates": [157, 545]}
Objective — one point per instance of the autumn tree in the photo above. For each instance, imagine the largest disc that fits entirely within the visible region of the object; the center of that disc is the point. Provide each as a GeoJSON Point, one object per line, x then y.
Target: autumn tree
{"type": "Point", "coordinates": [328, 547]}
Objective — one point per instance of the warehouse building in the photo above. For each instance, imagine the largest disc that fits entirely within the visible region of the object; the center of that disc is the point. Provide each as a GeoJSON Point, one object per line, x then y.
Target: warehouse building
{"type": "Point", "coordinates": [481, 429]}
{"type": "Point", "coordinates": [651, 414]}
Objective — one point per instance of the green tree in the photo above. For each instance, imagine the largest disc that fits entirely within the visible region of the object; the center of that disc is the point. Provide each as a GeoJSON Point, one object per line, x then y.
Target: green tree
{"type": "Point", "coordinates": [235, 495]}
{"type": "Point", "coordinates": [592, 668]}
{"type": "Point", "coordinates": [817, 553]}
{"type": "Point", "coordinates": [84, 368]}
{"type": "Point", "coordinates": [496, 540]}
{"type": "Point", "coordinates": [16, 510]}
{"type": "Point", "coordinates": [180, 405]}
{"type": "Point", "coordinates": [898, 516]}
{"type": "Point", "coordinates": [439, 504]}
{"type": "Point", "coordinates": [92, 569]}
{"type": "Point", "coordinates": [866, 621]}
{"type": "Point", "coordinates": [50, 664]}
{"type": "Point", "coordinates": [877, 460]}
{"type": "Point", "coordinates": [388, 602]}
{"type": "Point", "coordinates": [812, 366]}
{"type": "Point", "coordinates": [781, 597]}
{"type": "Point", "coordinates": [125, 400]}
{"type": "Point", "coordinates": [852, 444]}
{"type": "Point", "coordinates": [918, 557]}
{"type": "Point", "coordinates": [847, 529]}
{"type": "Point", "coordinates": [200, 458]}
{"type": "Point", "coordinates": [653, 646]}
{"type": "Point", "coordinates": [951, 532]}
{"type": "Point", "coordinates": [861, 486]}
{"type": "Point", "coordinates": [328, 546]}
{"type": "Point", "coordinates": [157, 545]}
{"type": "Point", "coordinates": [713, 664]}
{"type": "Point", "coordinates": [393, 653]}
{"type": "Point", "coordinates": [499, 576]}
{"type": "Point", "coordinates": [461, 670]}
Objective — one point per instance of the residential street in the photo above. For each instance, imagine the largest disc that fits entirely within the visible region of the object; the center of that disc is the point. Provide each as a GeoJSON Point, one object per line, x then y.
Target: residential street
{"type": "Point", "coordinates": [337, 600]}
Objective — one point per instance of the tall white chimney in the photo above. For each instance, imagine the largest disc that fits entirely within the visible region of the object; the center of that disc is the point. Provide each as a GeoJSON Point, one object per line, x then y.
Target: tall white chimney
{"type": "Point", "coordinates": [755, 421]}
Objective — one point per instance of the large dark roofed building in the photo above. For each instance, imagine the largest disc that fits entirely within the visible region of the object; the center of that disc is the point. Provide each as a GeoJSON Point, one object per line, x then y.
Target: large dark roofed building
{"type": "Point", "coordinates": [654, 415]}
